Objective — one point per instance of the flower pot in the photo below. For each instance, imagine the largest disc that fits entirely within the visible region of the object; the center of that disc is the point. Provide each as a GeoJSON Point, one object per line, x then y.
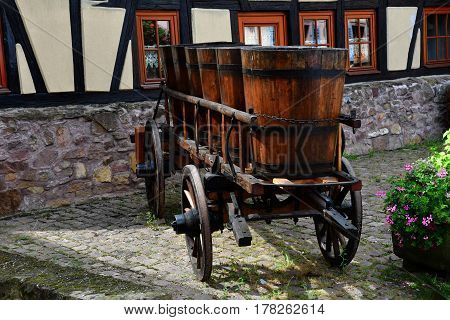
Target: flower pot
{"type": "Point", "coordinates": [437, 258]}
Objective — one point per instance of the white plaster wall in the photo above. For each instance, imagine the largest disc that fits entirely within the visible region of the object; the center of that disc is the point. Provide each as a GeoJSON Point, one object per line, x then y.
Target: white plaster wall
{"type": "Point", "coordinates": [210, 25]}
{"type": "Point", "coordinates": [48, 26]}
{"type": "Point", "coordinates": [101, 30]}
{"type": "Point", "coordinates": [126, 82]}
{"type": "Point", "coordinates": [25, 79]}
{"type": "Point", "coordinates": [400, 23]}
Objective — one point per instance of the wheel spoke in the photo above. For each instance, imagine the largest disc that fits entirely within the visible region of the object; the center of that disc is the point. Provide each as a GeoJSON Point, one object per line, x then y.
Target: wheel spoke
{"type": "Point", "coordinates": [341, 239]}
{"type": "Point", "coordinates": [341, 196]}
{"type": "Point", "coordinates": [189, 198]}
{"type": "Point", "coordinates": [195, 248]}
{"type": "Point", "coordinates": [336, 248]}
{"type": "Point", "coordinates": [323, 230]}
{"type": "Point", "coordinates": [328, 241]}
{"type": "Point", "coordinates": [199, 253]}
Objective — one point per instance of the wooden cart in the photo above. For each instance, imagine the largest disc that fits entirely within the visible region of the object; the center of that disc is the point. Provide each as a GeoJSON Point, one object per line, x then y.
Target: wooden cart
{"type": "Point", "coordinates": [244, 156]}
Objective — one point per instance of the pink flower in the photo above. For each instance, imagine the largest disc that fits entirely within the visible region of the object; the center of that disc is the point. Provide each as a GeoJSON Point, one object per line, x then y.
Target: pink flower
{"type": "Point", "coordinates": [389, 219]}
{"type": "Point", "coordinates": [408, 167]}
{"type": "Point", "coordinates": [442, 173]}
{"type": "Point", "coordinates": [400, 189]}
{"type": "Point", "coordinates": [410, 220]}
{"type": "Point", "coordinates": [447, 195]}
{"type": "Point", "coordinates": [427, 220]}
{"type": "Point", "coordinates": [392, 209]}
{"type": "Point", "coordinates": [406, 207]}
{"type": "Point", "coordinates": [425, 238]}
{"type": "Point", "coordinates": [381, 194]}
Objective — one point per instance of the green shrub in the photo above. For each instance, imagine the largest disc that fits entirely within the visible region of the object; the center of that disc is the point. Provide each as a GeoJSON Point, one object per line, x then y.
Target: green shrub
{"type": "Point", "coordinates": [418, 203]}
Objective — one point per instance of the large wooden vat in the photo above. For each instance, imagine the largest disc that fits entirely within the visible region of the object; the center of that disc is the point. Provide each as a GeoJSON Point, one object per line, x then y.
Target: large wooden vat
{"type": "Point", "coordinates": [207, 62]}
{"type": "Point", "coordinates": [175, 106]}
{"type": "Point", "coordinates": [182, 79]}
{"type": "Point", "coordinates": [297, 94]}
{"type": "Point", "coordinates": [229, 66]}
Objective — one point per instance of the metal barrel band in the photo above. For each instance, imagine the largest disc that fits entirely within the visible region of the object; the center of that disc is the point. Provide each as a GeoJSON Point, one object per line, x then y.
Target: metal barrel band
{"type": "Point", "coordinates": [288, 73]}
{"type": "Point", "coordinates": [229, 67]}
{"type": "Point", "coordinates": [192, 66]}
{"type": "Point", "coordinates": [313, 122]}
{"type": "Point", "coordinates": [208, 66]}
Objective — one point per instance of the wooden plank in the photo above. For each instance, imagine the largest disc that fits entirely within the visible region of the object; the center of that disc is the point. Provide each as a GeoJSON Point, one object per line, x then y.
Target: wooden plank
{"type": "Point", "coordinates": [417, 25]}
{"type": "Point", "coordinates": [294, 24]}
{"type": "Point", "coordinates": [125, 37]}
{"type": "Point", "coordinates": [77, 45]}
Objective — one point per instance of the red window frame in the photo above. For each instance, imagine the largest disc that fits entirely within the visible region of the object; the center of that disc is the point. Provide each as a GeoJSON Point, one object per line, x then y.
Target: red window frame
{"type": "Point", "coordinates": [317, 15]}
{"type": "Point", "coordinates": [3, 78]}
{"type": "Point", "coordinates": [261, 19]}
{"type": "Point", "coordinates": [172, 17]}
{"type": "Point", "coordinates": [446, 37]}
{"type": "Point", "coordinates": [363, 14]}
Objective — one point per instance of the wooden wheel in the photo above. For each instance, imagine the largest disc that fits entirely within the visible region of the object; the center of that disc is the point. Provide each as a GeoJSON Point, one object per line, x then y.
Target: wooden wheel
{"type": "Point", "coordinates": [337, 249]}
{"type": "Point", "coordinates": [154, 183]}
{"type": "Point", "coordinates": [199, 241]}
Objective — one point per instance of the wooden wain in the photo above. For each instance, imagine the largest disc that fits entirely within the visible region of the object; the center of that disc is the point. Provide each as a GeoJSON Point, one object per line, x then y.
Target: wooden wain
{"type": "Point", "coordinates": [223, 105]}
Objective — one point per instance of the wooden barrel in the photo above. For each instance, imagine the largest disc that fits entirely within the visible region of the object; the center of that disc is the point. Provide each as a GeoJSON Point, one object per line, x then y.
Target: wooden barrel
{"type": "Point", "coordinates": [229, 66]}
{"type": "Point", "coordinates": [297, 94]}
{"type": "Point", "coordinates": [195, 84]}
{"type": "Point", "coordinates": [207, 63]}
{"type": "Point", "coordinates": [182, 85]}
{"type": "Point", "coordinates": [176, 107]}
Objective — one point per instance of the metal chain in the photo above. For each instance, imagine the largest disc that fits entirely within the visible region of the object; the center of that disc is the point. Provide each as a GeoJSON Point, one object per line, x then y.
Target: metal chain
{"type": "Point", "coordinates": [297, 121]}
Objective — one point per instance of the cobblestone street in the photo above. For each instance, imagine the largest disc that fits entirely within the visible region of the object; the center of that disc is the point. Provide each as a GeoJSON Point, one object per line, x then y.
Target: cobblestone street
{"type": "Point", "coordinates": [111, 248]}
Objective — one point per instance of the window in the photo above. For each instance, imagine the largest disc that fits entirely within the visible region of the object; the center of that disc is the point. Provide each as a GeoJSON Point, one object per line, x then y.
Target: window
{"type": "Point", "coordinates": [436, 36]}
{"type": "Point", "coordinates": [316, 29]}
{"type": "Point", "coordinates": [3, 81]}
{"type": "Point", "coordinates": [154, 28]}
{"type": "Point", "coordinates": [360, 40]}
{"type": "Point", "coordinates": [266, 29]}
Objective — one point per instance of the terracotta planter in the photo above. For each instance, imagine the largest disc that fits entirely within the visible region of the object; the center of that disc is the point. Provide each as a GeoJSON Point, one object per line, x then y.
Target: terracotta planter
{"type": "Point", "coordinates": [437, 259]}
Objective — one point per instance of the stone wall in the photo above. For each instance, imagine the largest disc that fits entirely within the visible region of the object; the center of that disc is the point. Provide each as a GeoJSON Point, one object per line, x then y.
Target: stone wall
{"type": "Point", "coordinates": [396, 113]}
{"type": "Point", "coordinates": [55, 156]}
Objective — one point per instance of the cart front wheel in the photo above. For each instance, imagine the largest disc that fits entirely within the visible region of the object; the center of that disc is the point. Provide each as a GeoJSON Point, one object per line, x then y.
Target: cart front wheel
{"type": "Point", "coordinates": [198, 240]}
{"type": "Point", "coordinates": [337, 249]}
{"type": "Point", "coordinates": [154, 183]}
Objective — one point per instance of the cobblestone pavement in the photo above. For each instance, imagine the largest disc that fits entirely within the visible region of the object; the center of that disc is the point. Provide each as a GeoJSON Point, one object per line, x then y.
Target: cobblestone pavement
{"type": "Point", "coordinates": [111, 248]}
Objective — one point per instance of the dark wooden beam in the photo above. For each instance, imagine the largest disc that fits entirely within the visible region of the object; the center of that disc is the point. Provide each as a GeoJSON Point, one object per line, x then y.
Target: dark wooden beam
{"type": "Point", "coordinates": [417, 25]}
{"type": "Point", "coordinates": [294, 24]}
{"type": "Point", "coordinates": [125, 37]}
{"type": "Point", "coordinates": [361, 4]}
{"type": "Point", "coordinates": [158, 4]}
{"type": "Point", "coordinates": [42, 100]}
{"type": "Point", "coordinates": [381, 31]}
{"type": "Point", "coordinates": [185, 22]}
{"type": "Point", "coordinates": [234, 26]}
{"type": "Point", "coordinates": [339, 28]}
{"type": "Point", "coordinates": [77, 45]}
{"type": "Point", "coordinates": [315, 6]}
{"type": "Point", "coordinates": [21, 37]}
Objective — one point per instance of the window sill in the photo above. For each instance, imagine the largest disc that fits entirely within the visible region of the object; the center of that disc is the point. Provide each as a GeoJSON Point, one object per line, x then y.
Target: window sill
{"type": "Point", "coordinates": [362, 72]}
{"type": "Point", "coordinates": [4, 91]}
{"type": "Point", "coordinates": [437, 65]}
{"type": "Point", "coordinates": [151, 86]}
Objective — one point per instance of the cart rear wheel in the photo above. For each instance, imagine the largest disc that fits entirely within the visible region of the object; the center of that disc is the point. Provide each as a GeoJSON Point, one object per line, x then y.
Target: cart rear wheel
{"type": "Point", "coordinates": [337, 249]}
{"type": "Point", "coordinates": [154, 184]}
{"type": "Point", "coordinates": [199, 242]}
